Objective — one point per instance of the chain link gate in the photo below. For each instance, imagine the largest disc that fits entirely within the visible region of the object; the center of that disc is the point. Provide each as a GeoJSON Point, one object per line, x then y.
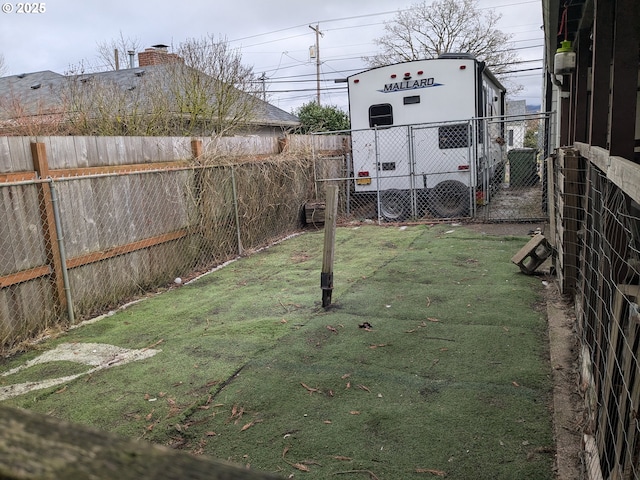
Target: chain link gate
{"type": "Point", "coordinates": [521, 195]}
{"type": "Point", "coordinates": [484, 169]}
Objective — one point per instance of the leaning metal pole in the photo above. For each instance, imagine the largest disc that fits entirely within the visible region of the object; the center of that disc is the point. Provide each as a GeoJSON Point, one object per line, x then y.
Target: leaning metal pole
{"type": "Point", "coordinates": [63, 254]}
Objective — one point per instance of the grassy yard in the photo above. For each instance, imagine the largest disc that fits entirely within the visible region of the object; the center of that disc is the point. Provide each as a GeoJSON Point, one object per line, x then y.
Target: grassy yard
{"type": "Point", "coordinates": [432, 361]}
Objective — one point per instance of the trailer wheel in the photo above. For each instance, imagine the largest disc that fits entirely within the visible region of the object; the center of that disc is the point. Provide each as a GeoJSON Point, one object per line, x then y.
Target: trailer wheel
{"type": "Point", "coordinates": [450, 199]}
{"type": "Point", "coordinates": [394, 205]}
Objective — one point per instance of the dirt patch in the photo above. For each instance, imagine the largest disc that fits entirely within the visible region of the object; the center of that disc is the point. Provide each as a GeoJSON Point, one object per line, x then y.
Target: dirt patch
{"type": "Point", "coordinates": [97, 355]}
{"type": "Point", "coordinates": [568, 404]}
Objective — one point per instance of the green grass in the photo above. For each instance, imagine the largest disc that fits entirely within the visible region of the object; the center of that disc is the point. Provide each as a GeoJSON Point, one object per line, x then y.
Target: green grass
{"type": "Point", "coordinates": [452, 377]}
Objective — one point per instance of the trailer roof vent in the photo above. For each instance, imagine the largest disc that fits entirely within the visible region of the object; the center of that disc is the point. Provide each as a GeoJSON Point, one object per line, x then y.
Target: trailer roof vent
{"type": "Point", "coordinates": [458, 55]}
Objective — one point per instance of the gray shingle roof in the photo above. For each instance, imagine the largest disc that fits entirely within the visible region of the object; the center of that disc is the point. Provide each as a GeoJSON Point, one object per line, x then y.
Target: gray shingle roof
{"type": "Point", "coordinates": [41, 92]}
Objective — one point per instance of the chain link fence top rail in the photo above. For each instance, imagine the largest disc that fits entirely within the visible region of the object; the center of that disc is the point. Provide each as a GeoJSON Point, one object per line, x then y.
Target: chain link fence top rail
{"type": "Point", "coordinates": [87, 223]}
{"type": "Point", "coordinates": [488, 169]}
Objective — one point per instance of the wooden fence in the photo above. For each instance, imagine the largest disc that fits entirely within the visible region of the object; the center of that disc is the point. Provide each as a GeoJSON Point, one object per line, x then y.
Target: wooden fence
{"type": "Point", "coordinates": [87, 223]}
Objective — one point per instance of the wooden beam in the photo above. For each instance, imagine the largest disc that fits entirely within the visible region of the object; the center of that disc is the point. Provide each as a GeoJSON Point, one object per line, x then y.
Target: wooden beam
{"type": "Point", "coordinates": [40, 165]}
{"type": "Point", "coordinates": [621, 171]}
{"type": "Point", "coordinates": [124, 249]}
{"type": "Point", "coordinates": [24, 276]}
{"type": "Point", "coordinates": [196, 149]}
{"type": "Point", "coordinates": [601, 71]}
{"type": "Point", "coordinates": [580, 97]}
{"type": "Point", "coordinates": [17, 177]}
{"type": "Point", "coordinates": [35, 446]}
{"type": "Point", "coordinates": [33, 273]}
{"type": "Point", "coordinates": [114, 169]}
{"type": "Point", "coordinates": [624, 80]}
{"type": "Point", "coordinates": [331, 213]}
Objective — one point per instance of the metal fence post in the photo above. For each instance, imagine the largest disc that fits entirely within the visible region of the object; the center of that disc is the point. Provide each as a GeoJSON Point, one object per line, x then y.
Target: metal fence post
{"type": "Point", "coordinates": [235, 210]}
{"type": "Point", "coordinates": [62, 252]}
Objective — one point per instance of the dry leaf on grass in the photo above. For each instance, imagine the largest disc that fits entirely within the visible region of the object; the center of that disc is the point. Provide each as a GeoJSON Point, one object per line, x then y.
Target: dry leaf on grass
{"type": "Point", "coordinates": [379, 345]}
{"type": "Point", "coordinates": [362, 387]}
{"type": "Point", "coordinates": [515, 384]}
{"type": "Point", "coordinates": [354, 412]}
{"type": "Point", "coordinates": [236, 414]}
{"type": "Point", "coordinates": [332, 329]}
{"type": "Point", "coordinates": [300, 466]}
{"type": "Point", "coordinates": [249, 425]}
{"type": "Point", "coordinates": [434, 320]}
{"type": "Point", "coordinates": [344, 459]}
{"type": "Point", "coordinates": [437, 473]}
{"type": "Point", "coordinates": [310, 389]}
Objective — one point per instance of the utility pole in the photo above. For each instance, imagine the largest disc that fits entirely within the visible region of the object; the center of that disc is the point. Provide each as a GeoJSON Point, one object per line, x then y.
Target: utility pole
{"type": "Point", "coordinates": [318, 33]}
{"type": "Point", "coordinates": [262, 78]}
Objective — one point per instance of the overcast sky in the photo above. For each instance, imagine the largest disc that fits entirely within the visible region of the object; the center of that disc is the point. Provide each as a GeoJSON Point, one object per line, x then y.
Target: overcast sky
{"type": "Point", "coordinates": [273, 35]}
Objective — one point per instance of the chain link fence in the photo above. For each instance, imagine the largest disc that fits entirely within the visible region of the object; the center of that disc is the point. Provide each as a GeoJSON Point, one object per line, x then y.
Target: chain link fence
{"type": "Point", "coordinates": [74, 247]}
{"type": "Point", "coordinates": [598, 260]}
{"type": "Point", "coordinates": [487, 169]}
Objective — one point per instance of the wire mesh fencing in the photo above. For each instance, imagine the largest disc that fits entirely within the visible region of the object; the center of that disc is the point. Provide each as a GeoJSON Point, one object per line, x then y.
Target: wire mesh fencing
{"type": "Point", "coordinates": [74, 247]}
{"type": "Point", "coordinates": [597, 259]}
{"type": "Point", "coordinates": [487, 169]}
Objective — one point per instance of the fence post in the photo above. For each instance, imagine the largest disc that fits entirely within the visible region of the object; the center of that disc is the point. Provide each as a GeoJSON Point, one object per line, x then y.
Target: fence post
{"type": "Point", "coordinates": [54, 259]}
{"type": "Point", "coordinates": [235, 209]}
{"type": "Point", "coordinates": [61, 250]}
{"type": "Point", "coordinates": [196, 149]}
{"type": "Point", "coordinates": [331, 212]}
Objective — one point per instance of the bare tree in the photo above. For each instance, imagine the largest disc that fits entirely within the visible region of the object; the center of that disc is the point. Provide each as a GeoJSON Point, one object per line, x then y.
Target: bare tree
{"type": "Point", "coordinates": [427, 30]}
{"type": "Point", "coordinates": [203, 89]}
{"type": "Point", "coordinates": [214, 92]}
{"type": "Point", "coordinates": [107, 52]}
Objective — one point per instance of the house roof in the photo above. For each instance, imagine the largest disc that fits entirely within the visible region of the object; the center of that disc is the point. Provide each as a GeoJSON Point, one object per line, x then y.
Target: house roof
{"type": "Point", "coordinates": [41, 93]}
{"type": "Point", "coordinates": [36, 93]}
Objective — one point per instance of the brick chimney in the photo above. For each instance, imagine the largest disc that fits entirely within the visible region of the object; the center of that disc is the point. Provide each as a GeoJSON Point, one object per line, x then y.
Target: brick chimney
{"type": "Point", "coordinates": [157, 55]}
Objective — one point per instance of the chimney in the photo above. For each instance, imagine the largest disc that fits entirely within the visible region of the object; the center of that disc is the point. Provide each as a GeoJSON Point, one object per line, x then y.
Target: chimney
{"type": "Point", "coordinates": [156, 55]}
{"type": "Point", "coordinates": [132, 58]}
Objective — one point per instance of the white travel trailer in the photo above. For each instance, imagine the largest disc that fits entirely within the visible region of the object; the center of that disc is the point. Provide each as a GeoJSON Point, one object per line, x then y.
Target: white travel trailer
{"type": "Point", "coordinates": [427, 135]}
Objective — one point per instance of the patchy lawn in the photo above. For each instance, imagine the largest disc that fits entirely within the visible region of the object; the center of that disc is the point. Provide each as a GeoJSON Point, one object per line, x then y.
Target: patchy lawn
{"type": "Point", "coordinates": [431, 361]}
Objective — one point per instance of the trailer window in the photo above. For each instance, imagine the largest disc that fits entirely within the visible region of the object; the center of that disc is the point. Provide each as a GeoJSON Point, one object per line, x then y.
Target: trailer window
{"type": "Point", "coordinates": [380, 115]}
{"type": "Point", "coordinates": [453, 136]}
